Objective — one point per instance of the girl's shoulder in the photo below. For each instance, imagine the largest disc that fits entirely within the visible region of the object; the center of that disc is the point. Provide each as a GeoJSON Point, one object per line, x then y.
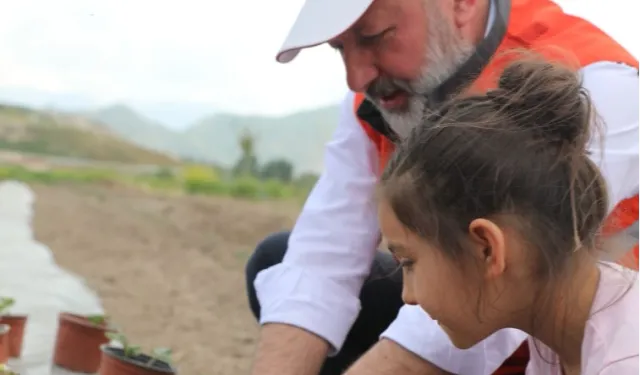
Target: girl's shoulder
{"type": "Point", "coordinates": [612, 333]}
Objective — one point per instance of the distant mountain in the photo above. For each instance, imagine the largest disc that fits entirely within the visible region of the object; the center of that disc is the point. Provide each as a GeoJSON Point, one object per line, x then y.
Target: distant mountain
{"type": "Point", "coordinates": [130, 125]}
{"type": "Point", "coordinates": [59, 134]}
{"type": "Point", "coordinates": [299, 138]}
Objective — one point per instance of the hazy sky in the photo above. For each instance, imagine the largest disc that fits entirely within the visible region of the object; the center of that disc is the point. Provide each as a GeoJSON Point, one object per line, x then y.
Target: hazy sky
{"type": "Point", "coordinates": [214, 52]}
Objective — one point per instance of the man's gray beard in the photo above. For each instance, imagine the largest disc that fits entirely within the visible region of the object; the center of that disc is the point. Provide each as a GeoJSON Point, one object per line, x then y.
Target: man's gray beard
{"type": "Point", "coordinates": [446, 53]}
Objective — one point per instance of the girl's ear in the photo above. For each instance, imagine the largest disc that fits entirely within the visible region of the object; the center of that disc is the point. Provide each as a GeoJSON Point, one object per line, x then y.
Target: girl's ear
{"type": "Point", "coordinates": [488, 245]}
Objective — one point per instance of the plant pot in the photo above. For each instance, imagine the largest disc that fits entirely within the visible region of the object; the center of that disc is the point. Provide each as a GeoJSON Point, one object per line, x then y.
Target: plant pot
{"type": "Point", "coordinates": [16, 334]}
{"type": "Point", "coordinates": [4, 343]}
{"type": "Point", "coordinates": [114, 362]}
{"type": "Point", "coordinates": [78, 343]}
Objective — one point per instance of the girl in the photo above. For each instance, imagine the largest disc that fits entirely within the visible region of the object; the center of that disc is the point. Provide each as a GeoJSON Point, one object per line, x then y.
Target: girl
{"type": "Point", "coordinates": [494, 209]}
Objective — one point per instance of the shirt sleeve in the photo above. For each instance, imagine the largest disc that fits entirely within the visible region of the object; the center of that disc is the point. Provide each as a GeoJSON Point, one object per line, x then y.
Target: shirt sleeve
{"type": "Point", "coordinates": [627, 366]}
{"type": "Point", "coordinates": [333, 243]}
{"type": "Point", "coordinates": [613, 88]}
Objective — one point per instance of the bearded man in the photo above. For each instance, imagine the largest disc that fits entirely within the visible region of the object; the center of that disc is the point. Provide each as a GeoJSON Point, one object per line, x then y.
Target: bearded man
{"type": "Point", "coordinates": [326, 299]}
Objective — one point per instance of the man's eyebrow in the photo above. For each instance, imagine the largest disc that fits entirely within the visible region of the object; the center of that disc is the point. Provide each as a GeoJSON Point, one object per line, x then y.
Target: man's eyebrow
{"type": "Point", "coordinates": [357, 28]}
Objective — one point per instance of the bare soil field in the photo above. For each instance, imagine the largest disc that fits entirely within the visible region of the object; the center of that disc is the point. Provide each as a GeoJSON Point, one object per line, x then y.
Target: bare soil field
{"type": "Point", "coordinates": [169, 269]}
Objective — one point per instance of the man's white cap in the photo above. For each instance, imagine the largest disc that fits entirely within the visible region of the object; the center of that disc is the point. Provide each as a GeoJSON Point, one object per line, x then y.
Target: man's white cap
{"type": "Point", "coordinates": [320, 21]}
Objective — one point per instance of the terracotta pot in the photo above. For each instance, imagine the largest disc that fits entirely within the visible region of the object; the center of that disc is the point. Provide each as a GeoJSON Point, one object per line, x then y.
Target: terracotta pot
{"type": "Point", "coordinates": [4, 343]}
{"type": "Point", "coordinates": [78, 343]}
{"type": "Point", "coordinates": [114, 362]}
{"type": "Point", "coordinates": [16, 334]}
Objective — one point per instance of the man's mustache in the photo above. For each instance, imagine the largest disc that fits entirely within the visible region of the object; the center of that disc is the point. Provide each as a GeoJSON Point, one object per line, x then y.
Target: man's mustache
{"type": "Point", "coordinates": [385, 86]}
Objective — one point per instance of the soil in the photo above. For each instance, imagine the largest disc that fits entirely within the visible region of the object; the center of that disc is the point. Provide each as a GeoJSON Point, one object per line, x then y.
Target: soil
{"type": "Point", "coordinates": [169, 269]}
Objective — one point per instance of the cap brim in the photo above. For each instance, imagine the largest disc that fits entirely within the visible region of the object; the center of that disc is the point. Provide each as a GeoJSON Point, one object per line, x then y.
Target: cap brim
{"type": "Point", "coordinates": [320, 21]}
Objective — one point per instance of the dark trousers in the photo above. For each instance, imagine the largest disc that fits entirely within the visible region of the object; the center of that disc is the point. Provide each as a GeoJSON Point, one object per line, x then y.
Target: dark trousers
{"type": "Point", "coordinates": [380, 299]}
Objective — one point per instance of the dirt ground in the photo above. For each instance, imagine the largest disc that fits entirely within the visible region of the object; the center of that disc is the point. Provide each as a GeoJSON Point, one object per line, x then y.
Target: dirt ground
{"type": "Point", "coordinates": [169, 269]}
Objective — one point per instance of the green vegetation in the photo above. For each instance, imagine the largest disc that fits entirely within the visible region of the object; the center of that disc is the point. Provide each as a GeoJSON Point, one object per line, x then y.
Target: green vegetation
{"type": "Point", "coordinates": [6, 370]}
{"type": "Point", "coordinates": [193, 180]}
{"type": "Point", "coordinates": [59, 175]}
{"type": "Point", "coordinates": [98, 320]}
{"type": "Point", "coordinates": [5, 304]}
{"type": "Point", "coordinates": [133, 351]}
{"type": "Point", "coordinates": [36, 132]}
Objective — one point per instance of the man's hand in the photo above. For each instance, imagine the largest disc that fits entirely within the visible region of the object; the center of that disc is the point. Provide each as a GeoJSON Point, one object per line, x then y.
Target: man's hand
{"type": "Point", "coordinates": [389, 358]}
{"type": "Point", "coordinates": [288, 350]}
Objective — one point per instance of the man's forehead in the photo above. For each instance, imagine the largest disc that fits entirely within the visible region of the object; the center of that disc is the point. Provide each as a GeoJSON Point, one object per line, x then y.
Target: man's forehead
{"type": "Point", "coordinates": [380, 11]}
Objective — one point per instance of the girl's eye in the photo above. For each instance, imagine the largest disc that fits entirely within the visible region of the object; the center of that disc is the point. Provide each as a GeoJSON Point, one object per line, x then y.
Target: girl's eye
{"type": "Point", "coordinates": [406, 263]}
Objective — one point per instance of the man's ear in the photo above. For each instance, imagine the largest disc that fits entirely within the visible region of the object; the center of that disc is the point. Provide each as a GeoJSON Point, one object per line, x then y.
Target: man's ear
{"type": "Point", "coordinates": [464, 11]}
{"type": "Point", "coordinates": [488, 241]}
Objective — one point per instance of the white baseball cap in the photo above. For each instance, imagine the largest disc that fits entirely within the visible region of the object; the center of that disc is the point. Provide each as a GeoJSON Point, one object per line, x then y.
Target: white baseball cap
{"type": "Point", "coordinates": [320, 21]}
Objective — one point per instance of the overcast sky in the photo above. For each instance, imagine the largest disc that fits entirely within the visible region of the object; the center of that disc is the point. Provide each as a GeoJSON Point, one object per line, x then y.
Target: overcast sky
{"type": "Point", "coordinates": [217, 53]}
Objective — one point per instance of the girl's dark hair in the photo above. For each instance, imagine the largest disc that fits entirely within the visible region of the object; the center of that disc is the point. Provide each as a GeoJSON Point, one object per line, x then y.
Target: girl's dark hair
{"type": "Point", "coordinates": [516, 155]}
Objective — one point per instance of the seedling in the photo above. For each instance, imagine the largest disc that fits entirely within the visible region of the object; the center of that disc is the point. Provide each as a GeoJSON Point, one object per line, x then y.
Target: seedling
{"type": "Point", "coordinates": [98, 320]}
{"type": "Point", "coordinates": [5, 304]}
{"type": "Point", "coordinates": [5, 370]}
{"type": "Point", "coordinates": [161, 354]}
{"type": "Point", "coordinates": [130, 350]}
{"type": "Point", "coordinates": [133, 351]}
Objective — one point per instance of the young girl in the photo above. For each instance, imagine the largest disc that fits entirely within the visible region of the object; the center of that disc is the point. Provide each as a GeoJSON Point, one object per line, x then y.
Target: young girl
{"type": "Point", "coordinates": [494, 209]}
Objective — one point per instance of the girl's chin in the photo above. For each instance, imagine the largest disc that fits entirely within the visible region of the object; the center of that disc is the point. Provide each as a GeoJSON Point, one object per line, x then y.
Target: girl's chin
{"type": "Point", "coordinates": [458, 340]}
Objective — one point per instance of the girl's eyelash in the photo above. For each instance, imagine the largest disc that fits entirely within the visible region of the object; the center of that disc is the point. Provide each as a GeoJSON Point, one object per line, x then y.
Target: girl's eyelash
{"type": "Point", "coordinates": [407, 263]}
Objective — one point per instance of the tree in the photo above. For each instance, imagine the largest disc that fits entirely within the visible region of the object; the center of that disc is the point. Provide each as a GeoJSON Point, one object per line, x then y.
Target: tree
{"type": "Point", "coordinates": [279, 169]}
{"type": "Point", "coordinates": [248, 163]}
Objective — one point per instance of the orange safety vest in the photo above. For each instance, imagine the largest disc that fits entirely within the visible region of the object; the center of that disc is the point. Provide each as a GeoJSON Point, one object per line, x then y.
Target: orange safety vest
{"type": "Point", "coordinates": [541, 26]}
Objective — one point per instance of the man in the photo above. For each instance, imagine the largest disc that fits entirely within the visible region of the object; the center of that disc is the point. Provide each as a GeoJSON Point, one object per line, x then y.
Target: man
{"type": "Point", "coordinates": [323, 294]}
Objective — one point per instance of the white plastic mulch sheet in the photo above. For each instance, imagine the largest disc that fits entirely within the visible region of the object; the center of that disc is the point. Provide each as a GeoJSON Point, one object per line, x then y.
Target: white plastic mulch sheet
{"type": "Point", "coordinates": [29, 274]}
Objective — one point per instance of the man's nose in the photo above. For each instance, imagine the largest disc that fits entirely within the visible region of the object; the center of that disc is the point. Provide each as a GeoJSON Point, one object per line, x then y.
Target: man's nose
{"type": "Point", "coordinates": [360, 68]}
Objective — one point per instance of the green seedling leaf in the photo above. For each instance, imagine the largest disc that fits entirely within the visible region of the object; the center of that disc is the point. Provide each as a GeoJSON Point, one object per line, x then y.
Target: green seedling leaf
{"type": "Point", "coordinates": [118, 337]}
{"type": "Point", "coordinates": [6, 370]}
{"type": "Point", "coordinates": [162, 354]}
{"type": "Point", "coordinates": [132, 351]}
{"type": "Point", "coordinates": [6, 303]}
{"type": "Point", "coordinates": [97, 320]}
{"type": "Point", "coordinates": [128, 349]}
